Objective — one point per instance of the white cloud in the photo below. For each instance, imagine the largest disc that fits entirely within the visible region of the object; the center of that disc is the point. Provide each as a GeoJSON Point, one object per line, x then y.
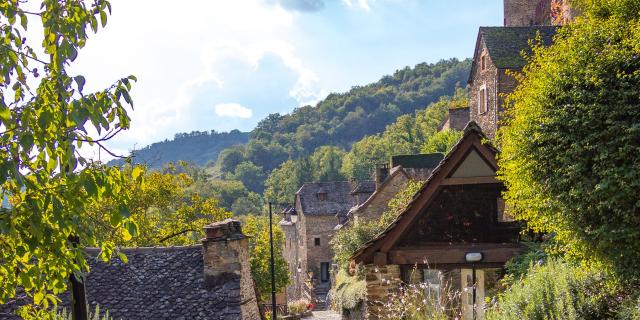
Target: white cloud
{"type": "Point", "coordinates": [362, 4]}
{"type": "Point", "coordinates": [174, 61]}
{"type": "Point", "coordinates": [232, 110]}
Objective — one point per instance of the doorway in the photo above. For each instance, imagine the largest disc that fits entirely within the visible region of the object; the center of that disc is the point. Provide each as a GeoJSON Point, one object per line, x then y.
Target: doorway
{"type": "Point", "coordinates": [324, 272]}
{"type": "Point", "coordinates": [467, 283]}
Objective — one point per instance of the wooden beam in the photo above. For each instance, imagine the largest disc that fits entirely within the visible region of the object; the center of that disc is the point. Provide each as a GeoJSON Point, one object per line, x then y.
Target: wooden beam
{"type": "Point", "coordinates": [380, 258]}
{"type": "Point", "coordinates": [454, 254]}
{"type": "Point", "coordinates": [470, 180]}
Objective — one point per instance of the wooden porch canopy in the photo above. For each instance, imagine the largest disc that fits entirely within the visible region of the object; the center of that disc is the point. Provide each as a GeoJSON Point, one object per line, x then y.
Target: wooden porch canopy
{"type": "Point", "coordinates": [471, 163]}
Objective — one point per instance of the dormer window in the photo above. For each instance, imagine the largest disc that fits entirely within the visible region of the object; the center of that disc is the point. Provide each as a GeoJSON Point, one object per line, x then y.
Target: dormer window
{"type": "Point", "coordinates": [322, 196]}
{"type": "Point", "coordinates": [482, 100]}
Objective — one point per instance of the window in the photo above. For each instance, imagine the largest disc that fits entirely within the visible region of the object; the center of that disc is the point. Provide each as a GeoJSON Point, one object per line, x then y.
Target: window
{"type": "Point", "coordinates": [322, 196]}
{"type": "Point", "coordinates": [482, 100]}
{"type": "Point", "coordinates": [433, 282]}
{"type": "Point", "coordinates": [483, 62]}
{"type": "Point", "coordinates": [316, 241]}
{"type": "Point", "coordinates": [503, 212]}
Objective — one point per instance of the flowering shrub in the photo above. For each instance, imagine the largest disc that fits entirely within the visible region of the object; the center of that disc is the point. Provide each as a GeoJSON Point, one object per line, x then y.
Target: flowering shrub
{"type": "Point", "coordinates": [420, 302]}
{"type": "Point", "coordinates": [299, 306]}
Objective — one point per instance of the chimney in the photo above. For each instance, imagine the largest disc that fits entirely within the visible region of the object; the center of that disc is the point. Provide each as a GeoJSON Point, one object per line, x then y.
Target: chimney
{"type": "Point", "coordinates": [225, 251]}
{"type": "Point", "coordinates": [381, 174]}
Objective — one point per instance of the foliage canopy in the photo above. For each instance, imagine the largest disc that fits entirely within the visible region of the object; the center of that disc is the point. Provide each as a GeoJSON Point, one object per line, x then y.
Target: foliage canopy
{"type": "Point", "coordinates": [571, 140]}
{"type": "Point", "coordinates": [46, 116]}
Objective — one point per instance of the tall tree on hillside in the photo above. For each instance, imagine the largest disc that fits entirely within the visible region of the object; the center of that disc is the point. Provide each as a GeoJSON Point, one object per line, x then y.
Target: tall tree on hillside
{"type": "Point", "coordinates": [326, 164]}
{"type": "Point", "coordinates": [45, 117]}
{"type": "Point", "coordinates": [571, 143]}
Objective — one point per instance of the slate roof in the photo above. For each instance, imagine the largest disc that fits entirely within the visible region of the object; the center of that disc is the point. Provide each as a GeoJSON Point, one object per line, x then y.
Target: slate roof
{"type": "Point", "coordinates": [365, 186]}
{"type": "Point", "coordinates": [158, 283]}
{"type": "Point", "coordinates": [417, 161]}
{"type": "Point", "coordinates": [338, 198]}
{"type": "Point", "coordinates": [472, 128]}
{"type": "Point", "coordinates": [505, 44]}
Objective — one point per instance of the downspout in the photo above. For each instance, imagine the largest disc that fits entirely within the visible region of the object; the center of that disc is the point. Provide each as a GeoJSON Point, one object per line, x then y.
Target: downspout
{"type": "Point", "coordinates": [495, 103]}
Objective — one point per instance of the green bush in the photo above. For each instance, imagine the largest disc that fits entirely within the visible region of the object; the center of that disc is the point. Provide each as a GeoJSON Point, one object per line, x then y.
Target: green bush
{"type": "Point", "coordinates": [570, 143]}
{"type": "Point", "coordinates": [556, 290]}
{"type": "Point", "coordinates": [349, 291]}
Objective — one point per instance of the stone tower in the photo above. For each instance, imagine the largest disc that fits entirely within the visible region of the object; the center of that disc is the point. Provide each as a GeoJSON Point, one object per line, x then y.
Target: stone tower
{"type": "Point", "coordinates": [524, 13]}
{"type": "Point", "coordinates": [520, 13]}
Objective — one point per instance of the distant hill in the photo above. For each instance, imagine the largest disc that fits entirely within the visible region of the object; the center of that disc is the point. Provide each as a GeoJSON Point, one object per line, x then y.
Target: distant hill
{"type": "Point", "coordinates": [344, 118]}
{"type": "Point", "coordinates": [198, 147]}
{"type": "Point", "coordinates": [339, 120]}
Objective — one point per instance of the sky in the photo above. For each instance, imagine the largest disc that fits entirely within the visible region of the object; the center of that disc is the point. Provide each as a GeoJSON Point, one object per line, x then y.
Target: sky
{"type": "Point", "coordinates": [226, 64]}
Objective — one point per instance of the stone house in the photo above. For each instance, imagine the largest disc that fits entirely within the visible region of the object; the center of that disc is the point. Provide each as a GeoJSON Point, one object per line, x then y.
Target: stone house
{"type": "Point", "coordinates": [456, 119]}
{"type": "Point", "coordinates": [498, 53]}
{"type": "Point", "coordinates": [208, 281]}
{"type": "Point", "coordinates": [308, 227]}
{"type": "Point", "coordinates": [456, 232]}
{"type": "Point", "coordinates": [388, 182]}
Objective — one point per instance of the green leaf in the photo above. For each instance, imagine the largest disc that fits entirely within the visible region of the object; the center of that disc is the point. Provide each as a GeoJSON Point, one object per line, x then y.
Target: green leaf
{"type": "Point", "coordinates": [90, 186]}
{"type": "Point", "coordinates": [5, 114]}
{"type": "Point", "coordinates": [124, 212]}
{"type": "Point", "coordinates": [23, 21]}
{"type": "Point", "coordinates": [37, 298]}
{"type": "Point", "coordinates": [136, 173]}
{"type": "Point", "coordinates": [80, 80]}
{"type": "Point", "coordinates": [123, 257]}
{"type": "Point", "coordinates": [131, 227]}
{"type": "Point", "coordinates": [103, 18]}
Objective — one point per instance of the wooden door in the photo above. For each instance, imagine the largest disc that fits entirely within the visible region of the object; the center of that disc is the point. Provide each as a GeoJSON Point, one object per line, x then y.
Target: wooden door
{"type": "Point", "coordinates": [466, 281]}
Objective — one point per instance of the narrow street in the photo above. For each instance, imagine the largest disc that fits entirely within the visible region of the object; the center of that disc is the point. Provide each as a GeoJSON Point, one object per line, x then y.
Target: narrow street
{"type": "Point", "coordinates": [324, 315]}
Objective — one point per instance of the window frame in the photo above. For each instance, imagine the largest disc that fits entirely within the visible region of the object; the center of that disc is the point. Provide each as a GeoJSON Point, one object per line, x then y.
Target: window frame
{"type": "Point", "coordinates": [483, 104]}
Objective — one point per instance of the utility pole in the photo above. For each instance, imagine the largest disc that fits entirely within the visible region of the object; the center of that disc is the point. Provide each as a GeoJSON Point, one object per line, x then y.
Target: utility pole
{"type": "Point", "coordinates": [274, 312]}
{"type": "Point", "coordinates": [78, 294]}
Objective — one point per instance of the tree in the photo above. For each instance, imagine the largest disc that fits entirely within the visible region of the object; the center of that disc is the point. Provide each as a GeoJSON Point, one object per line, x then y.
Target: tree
{"type": "Point", "coordinates": [284, 182]}
{"type": "Point", "coordinates": [442, 141]}
{"type": "Point", "coordinates": [257, 228]}
{"type": "Point", "coordinates": [405, 136]}
{"type": "Point", "coordinates": [45, 117]}
{"type": "Point", "coordinates": [251, 204]}
{"type": "Point", "coordinates": [570, 142]}
{"type": "Point", "coordinates": [230, 158]}
{"type": "Point", "coordinates": [226, 191]}
{"type": "Point", "coordinates": [250, 175]}
{"type": "Point", "coordinates": [166, 209]}
{"type": "Point", "coordinates": [326, 164]}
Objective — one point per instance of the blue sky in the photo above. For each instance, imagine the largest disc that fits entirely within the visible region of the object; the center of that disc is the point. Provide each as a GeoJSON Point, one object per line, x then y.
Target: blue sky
{"type": "Point", "coordinates": [226, 64]}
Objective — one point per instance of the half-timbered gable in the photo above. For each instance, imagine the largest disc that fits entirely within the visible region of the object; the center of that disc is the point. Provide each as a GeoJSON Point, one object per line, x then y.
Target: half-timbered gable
{"type": "Point", "coordinates": [459, 211]}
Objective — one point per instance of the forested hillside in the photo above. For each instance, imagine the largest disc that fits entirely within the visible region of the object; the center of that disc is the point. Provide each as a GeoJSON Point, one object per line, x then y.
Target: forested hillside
{"type": "Point", "coordinates": [197, 147]}
{"type": "Point", "coordinates": [344, 118]}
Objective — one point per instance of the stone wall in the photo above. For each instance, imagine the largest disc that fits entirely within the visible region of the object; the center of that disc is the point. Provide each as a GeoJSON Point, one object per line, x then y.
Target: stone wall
{"type": "Point", "coordinates": [291, 256]}
{"type": "Point", "coordinates": [456, 119]}
{"type": "Point", "coordinates": [378, 203]}
{"type": "Point", "coordinates": [382, 281]}
{"type": "Point", "coordinates": [486, 79]}
{"type": "Point", "coordinates": [318, 226]}
{"type": "Point", "coordinates": [225, 252]}
{"type": "Point", "coordinates": [520, 13]}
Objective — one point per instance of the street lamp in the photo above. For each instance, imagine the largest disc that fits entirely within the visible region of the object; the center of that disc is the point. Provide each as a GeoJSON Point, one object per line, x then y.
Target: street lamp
{"type": "Point", "coordinates": [473, 257]}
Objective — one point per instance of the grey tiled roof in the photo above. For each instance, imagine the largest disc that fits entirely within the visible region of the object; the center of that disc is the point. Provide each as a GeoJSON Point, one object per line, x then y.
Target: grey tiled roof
{"type": "Point", "coordinates": [505, 44]}
{"type": "Point", "coordinates": [338, 198]}
{"type": "Point", "coordinates": [158, 283]}
{"type": "Point", "coordinates": [365, 186]}
{"type": "Point", "coordinates": [417, 161]}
